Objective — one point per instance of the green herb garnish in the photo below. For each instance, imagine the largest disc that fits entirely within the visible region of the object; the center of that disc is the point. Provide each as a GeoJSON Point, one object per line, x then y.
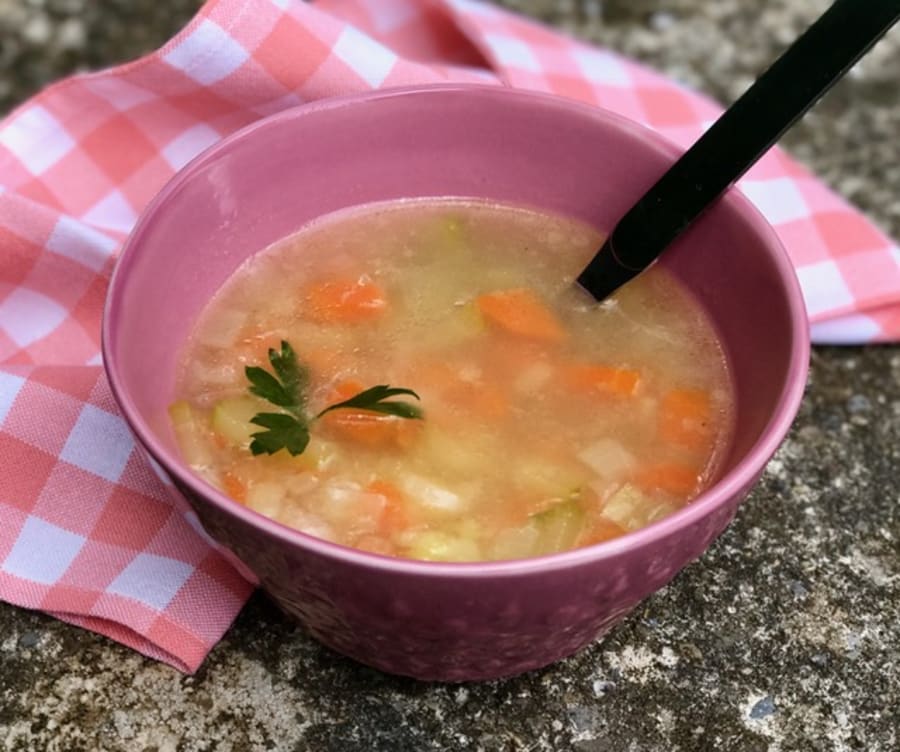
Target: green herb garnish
{"type": "Point", "coordinates": [374, 399]}
{"type": "Point", "coordinates": [287, 388]}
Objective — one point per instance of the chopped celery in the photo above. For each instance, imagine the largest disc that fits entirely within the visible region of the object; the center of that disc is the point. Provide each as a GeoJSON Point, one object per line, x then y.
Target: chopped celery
{"type": "Point", "coordinates": [550, 480]}
{"type": "Point", "coordinates": [628, 507]}
{"type": "Point", "coordinates": [558, 527]}
{"type": "Point", "coordinates": [433, 545]}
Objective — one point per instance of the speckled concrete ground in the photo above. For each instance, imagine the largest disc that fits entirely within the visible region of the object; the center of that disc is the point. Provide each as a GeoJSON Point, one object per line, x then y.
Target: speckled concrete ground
{"type": "Point", "coordinates": [783, 637]}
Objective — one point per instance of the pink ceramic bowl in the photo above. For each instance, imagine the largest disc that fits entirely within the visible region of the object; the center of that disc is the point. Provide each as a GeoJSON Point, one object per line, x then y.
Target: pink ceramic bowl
{"type": "Point", "coordinates": [431, 620]}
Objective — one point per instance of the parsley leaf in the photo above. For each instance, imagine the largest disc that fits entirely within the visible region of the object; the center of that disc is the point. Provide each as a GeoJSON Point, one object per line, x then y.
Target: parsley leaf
{"type": "Point", "coordinates": [373, 399]}
{"type": "Point", "coordinates": [265, 385]}
{"type": "Point", "coordinates": [287, 388]}
{"type": "Point", "coordinates": [283, 432]}
{"type": "Point", "coordinates": [294, 376]}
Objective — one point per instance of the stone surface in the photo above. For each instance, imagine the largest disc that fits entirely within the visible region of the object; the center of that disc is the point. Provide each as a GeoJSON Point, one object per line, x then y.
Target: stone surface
{"type": "Point", "coordinates": [783, 636]}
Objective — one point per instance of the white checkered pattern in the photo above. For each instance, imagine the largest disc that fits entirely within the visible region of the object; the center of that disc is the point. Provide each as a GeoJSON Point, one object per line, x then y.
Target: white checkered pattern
{"type": "Point", "coordinates": [208, 54]}
{"type": "Point", "coordinates": [27, 316]}
{"type": "Point", "coordinates": [153, 580]}
{"type": "Point", "coordinates": [36, 138]}
{"type": "Point", "coordinates": [43, 552]}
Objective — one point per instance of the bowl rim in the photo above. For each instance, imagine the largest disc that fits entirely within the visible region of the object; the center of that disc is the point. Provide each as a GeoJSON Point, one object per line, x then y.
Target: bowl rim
{"type": "Point", "coordinates": [705, 504]}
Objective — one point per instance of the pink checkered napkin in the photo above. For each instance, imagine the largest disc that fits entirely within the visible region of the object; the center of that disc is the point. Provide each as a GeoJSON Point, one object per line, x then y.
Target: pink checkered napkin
{"type": "Point", "coordinates": [88, 532]}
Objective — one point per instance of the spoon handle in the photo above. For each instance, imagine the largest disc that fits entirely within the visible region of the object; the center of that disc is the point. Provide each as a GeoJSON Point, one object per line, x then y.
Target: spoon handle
{"type": "Point", "coordinates": [747, 129]}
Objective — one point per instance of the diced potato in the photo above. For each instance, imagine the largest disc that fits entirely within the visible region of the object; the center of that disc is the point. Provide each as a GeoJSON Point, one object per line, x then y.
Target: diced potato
{"type": "Point", "coordinates": [190, 432]}
{"type": "Point", "coordinates": [433, 545]}
{"type": "Point", "coordinates": [231, 419]}
{"type": "Point", "coordinates": [316, 457]}
{"type": "Point", "coordinates": [558, 527]}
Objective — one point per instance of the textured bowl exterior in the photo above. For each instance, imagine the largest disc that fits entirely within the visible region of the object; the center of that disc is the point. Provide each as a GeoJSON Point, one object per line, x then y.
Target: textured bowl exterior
{"type": "Point", "coordinates": [450, 622]}
{"type": "Point", "coordinates": [452, 627]}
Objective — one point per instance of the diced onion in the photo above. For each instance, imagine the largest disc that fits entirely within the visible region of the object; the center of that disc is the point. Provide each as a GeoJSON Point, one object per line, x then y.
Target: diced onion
{"type": "Point", "coordinates": [608, 458]}
{"type": "Point", "coordinates": [336, 499]}
{"type": "Point", "coordinates": [308, 523]}
{"type": "Point", "coordinates": [432, 496]}
{"type": "Point", "coordinates": [266, 498]}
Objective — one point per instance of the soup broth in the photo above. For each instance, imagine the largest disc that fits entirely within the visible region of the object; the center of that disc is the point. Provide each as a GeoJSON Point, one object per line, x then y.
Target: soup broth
{"type": "Point", "coordinates": [548, 421]}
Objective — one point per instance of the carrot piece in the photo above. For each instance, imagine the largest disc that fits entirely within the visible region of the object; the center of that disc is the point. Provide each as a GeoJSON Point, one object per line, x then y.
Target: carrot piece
{"type": "Point", "coordinates": [395, 517]}
{"type": "Point", "coordinates": [344, 390]}
{"type": "Point", "coordinates": [321, 360]}
{"type": "Point", "coordinates": [684, 416]}
{"type": "Point", "coordinates": [670, 477]}
{"type": "Point", "coordinates": [366, 427]}
{"type": "Point", "coordinates": [603, 529]}
{"type": "Point", "coordinates": [522, 313]}
{"type": "Point", "coordinates": [234, 487]}
{"type": "Point", "coordinates": [372, 430]}
{"type": "Point", "coordinates": [345, 300]}
{"type": "Point", "coordinates": [585, 378]}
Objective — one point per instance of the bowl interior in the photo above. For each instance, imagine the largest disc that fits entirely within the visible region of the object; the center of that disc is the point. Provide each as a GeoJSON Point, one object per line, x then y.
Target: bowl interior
{"type": "Point", "coordinates": [517, 147]}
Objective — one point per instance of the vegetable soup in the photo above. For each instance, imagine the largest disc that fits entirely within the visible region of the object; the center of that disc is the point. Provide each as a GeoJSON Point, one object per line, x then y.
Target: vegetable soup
{"type": "Point", "coordinates": [423, 379]}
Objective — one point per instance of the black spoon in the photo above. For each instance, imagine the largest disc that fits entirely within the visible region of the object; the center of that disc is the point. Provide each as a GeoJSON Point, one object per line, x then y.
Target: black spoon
{"type": "Point", "coordinates": [746, 130]}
